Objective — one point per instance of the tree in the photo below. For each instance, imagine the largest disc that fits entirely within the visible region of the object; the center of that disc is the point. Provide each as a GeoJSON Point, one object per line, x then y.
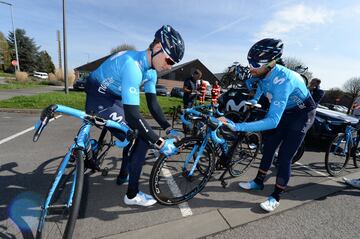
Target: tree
{"type": "Point", "coordinates": [27, 50]}
{"type": "Point", "coordinates": [294, 63]}
{"type": "Point", "coordinates": [123, 47]}
{"type": "Point", "coordinates": [5, 57]}
{"type": "Point", "coordinates": [44, 62]}
{"type": "Point", "coordinates": [352, 86]}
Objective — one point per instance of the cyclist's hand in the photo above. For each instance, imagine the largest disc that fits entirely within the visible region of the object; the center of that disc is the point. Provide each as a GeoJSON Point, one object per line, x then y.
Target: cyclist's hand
{"type": "Point", "coordinates": [228, 123]}
{"type": "Point", "coordinates": [174, 134]}
{"type": "Point", "coordinates": [168, 148]}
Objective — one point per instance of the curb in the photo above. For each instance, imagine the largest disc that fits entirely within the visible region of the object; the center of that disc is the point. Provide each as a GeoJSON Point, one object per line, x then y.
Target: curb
{"type": "Point", "coordinates": [25, 111]}
{"type": "Point", "coordinates": [220, 220]}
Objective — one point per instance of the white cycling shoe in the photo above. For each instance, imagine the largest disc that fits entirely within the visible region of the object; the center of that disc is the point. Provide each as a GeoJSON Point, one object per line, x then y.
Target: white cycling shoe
{"type": "Point", "coordinates": [141, 199]}
{"type": "Point", "coordinates": [270, 204]}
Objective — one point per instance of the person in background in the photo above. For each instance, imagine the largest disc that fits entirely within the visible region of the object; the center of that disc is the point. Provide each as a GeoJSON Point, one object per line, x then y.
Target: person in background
{"type": "Point", "coordinates": [315, 91]}
{"type": "Point", "coordinates": [215, 92]}
{"type": "Point", "coordinates": [190, 89]}
{"type": "Point", "coordinates": [356, 107]}
{"type": "Point", "coordinates": [202, 91]}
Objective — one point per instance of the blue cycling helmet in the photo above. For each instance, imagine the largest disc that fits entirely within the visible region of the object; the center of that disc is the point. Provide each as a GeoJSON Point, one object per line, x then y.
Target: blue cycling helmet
{"type": "Point", "coordinates": [265, 51]}
{"type": "Point", "coordinates": [171, 42]}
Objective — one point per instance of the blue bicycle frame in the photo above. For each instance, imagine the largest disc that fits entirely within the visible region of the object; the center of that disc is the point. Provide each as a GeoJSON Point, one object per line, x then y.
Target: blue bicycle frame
{"type": "Point", "coordinates": [82, 142]}
{"type": "Point", "coordinates": [210, 135]}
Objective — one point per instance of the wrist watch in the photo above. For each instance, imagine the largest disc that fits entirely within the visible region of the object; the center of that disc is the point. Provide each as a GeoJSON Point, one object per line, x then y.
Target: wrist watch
{"type": "Point", "coordinates": [159, 143]}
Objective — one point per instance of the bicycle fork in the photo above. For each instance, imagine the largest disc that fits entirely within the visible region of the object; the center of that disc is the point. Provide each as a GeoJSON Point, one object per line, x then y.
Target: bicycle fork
{"type": "Point", "coordinates": [197, 159]}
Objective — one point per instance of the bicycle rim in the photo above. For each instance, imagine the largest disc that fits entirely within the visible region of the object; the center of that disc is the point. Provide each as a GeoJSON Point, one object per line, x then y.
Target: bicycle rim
{"type": "Point", "coordinates": [170, 182]}
{"type": "Point", "coordinates": [244, 154]}
{"type": "Point", "coordinates": [58, 220]}
{"type": "Point", "coordinates": [337, 156]}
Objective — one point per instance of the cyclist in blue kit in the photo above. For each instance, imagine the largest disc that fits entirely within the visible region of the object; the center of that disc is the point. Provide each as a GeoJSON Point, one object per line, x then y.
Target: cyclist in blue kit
{"type": "Point", "coordinates": [113, 92]}
{"type": "Point", "coordinates": [291, 114]}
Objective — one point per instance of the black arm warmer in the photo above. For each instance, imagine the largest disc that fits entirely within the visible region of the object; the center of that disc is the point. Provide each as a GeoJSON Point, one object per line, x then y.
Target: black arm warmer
{"type": "Point", "coordinates": [156, 111]}
{"type": "Point", "coordinates": [136, 121]}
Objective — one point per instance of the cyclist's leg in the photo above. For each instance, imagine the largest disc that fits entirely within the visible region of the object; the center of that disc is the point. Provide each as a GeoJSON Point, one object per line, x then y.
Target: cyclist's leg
{"type": "Point", "coordinates": [271, 140]}
{"type": "Point", "coordinates": [108, 108]}
{"type": "Point", "coordinates": [297, 126]}
{"type": "Point", "coordinates": [136, 161]}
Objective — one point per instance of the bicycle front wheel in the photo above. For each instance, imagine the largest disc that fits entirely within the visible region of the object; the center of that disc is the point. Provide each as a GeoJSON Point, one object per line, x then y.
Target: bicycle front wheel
{"type": "Point", "coordinates": [337, 155]}
{"type": "Point", "coordinates": [61, 207]}
{"type": "Point", "coordinates": [244, 154]}
{"type": "Point", "coordinates": [179, 178]}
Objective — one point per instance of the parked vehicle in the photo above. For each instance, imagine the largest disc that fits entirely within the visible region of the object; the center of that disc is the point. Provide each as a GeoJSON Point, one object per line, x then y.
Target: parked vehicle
{"type": "Point", "coordinates": [177, 92]}
{"type": "Point", "coordinates": [41, 75]}
{"type": "Point", "coordinates": [79, 84]}
{"type": "Point", "coordinates": [161, 90]}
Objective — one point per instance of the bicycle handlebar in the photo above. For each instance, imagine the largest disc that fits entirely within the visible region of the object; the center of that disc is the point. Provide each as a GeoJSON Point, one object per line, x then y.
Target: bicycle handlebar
{"type": "Point", "coordinates": [49, 112]}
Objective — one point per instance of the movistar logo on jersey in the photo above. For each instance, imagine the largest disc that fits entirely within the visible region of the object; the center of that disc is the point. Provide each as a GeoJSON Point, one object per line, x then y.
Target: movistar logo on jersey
{"type": "Point", "coordinates": [278, 81]}
{"type": "Point", "coordinates": [115, 117]}
{"type": "Point", "coordinates": [105, 84]}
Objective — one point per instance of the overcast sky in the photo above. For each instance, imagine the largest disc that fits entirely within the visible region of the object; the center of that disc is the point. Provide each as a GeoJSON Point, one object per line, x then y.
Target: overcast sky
{"type": "Point", "coordinates": [324, 34]}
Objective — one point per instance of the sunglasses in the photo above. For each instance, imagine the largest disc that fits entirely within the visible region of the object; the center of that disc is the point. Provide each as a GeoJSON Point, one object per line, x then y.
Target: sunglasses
{"type": "Point", "coordinates": [169, 61]}
{"type": "Point", "coordinates": [255, 65]}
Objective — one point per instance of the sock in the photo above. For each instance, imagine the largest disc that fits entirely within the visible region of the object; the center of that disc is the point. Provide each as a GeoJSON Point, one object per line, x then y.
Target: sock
{"type": "Point", "coordinates": [277, 192]}
{"type": "Point", "coordinates": [260, 177]}
{"type": "Point", "coordinates": [130, 194]}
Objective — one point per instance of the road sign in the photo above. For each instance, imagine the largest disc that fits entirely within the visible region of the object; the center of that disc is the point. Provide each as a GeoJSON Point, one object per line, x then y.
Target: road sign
{"type": "Point", "coordinates": [14, 62]}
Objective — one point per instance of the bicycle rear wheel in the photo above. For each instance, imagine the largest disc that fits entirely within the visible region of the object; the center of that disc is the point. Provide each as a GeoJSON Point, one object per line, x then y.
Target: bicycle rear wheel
{"type": "Point", "coordinates": [170, 180]}
{"type": "Point", "coordinates": [58, 216]}
{"type": "Point", "coordinates": [337, 155]}
{"type": "Point", "coordinates": [244, 154]}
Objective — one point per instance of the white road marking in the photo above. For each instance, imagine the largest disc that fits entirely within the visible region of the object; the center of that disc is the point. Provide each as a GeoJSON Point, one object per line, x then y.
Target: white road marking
{"type": "Point", "coordinates": [318, 172]}
{"type": "Point", "coordinates": [23, 132]}
{"type": "Point", "coordinates": [184, 207]}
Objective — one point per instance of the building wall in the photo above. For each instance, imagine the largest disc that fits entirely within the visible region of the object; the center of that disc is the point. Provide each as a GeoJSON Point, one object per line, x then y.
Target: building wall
{"type": "Point", "coordinates": [169, 84]}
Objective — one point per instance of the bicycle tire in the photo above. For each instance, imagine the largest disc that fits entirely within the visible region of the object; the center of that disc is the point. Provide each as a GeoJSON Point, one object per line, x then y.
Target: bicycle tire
{"type": "Point", "coordinates": [356, 157]}
{"type": "Point", "coordinates": [336, 151]}
{"type": "Point", "coordinates": [170, 183]}
{"type": "Point", "coordinates": [244, 154]}
{"type": "Point", "coordinates": [59, 198]}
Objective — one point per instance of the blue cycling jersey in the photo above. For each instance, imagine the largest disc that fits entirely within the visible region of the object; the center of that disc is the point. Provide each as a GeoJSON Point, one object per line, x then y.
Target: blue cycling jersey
{"type": "Point", "coordinates": [285, 90]}
{"type": "Point", "coordinates": [122, 75]}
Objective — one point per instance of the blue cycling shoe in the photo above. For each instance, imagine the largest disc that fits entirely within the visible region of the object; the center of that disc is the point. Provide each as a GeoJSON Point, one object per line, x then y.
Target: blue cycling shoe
{"type": "Point", "coordinates": [251, 185]}
{"type": "Point", "coordinates": [121, 181]}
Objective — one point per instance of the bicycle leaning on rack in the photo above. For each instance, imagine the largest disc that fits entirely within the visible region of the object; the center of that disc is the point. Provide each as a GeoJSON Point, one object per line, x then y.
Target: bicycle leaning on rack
{"type": "Point", "coordinates": [60, 209]}
{"type": "Point", "coordinates": [179, 178]}
{"type": "Point", "coordinates": [341, 148]}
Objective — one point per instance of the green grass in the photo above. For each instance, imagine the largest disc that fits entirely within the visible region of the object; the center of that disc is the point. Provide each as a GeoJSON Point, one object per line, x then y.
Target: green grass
{"type": "Point", "coordinates": [76, 100]}
{"type": "Point", "coordinates": [14, 85]}
{"type": "Point", "coordinates": [3, 74]}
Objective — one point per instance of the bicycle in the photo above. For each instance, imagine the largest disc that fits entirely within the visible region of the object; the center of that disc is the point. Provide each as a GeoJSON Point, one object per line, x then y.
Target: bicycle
{"type": "Point", "coordinates": [235, 76]}
{"type": "Point", "coordinates": [60, 209]}
{"type": "Point", "coordinates": [197, 125]}
{"type": "Point", "coordinates": [179, 178]}
{"type": "Point", "coordinates": [341, 148]}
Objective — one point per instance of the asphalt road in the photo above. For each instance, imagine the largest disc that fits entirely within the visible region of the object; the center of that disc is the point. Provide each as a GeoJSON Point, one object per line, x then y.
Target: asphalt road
{"type": "Point", "coordinates": [27, 169]}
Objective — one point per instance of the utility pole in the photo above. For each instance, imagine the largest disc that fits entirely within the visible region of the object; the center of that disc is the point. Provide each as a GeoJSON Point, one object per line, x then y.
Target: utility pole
{"type": "Point", "coordinates": [59, 49]}
{"type": "Point", "coordinates": [65, 54]}
{"type": "Point", "coordinates": [16, 49]}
